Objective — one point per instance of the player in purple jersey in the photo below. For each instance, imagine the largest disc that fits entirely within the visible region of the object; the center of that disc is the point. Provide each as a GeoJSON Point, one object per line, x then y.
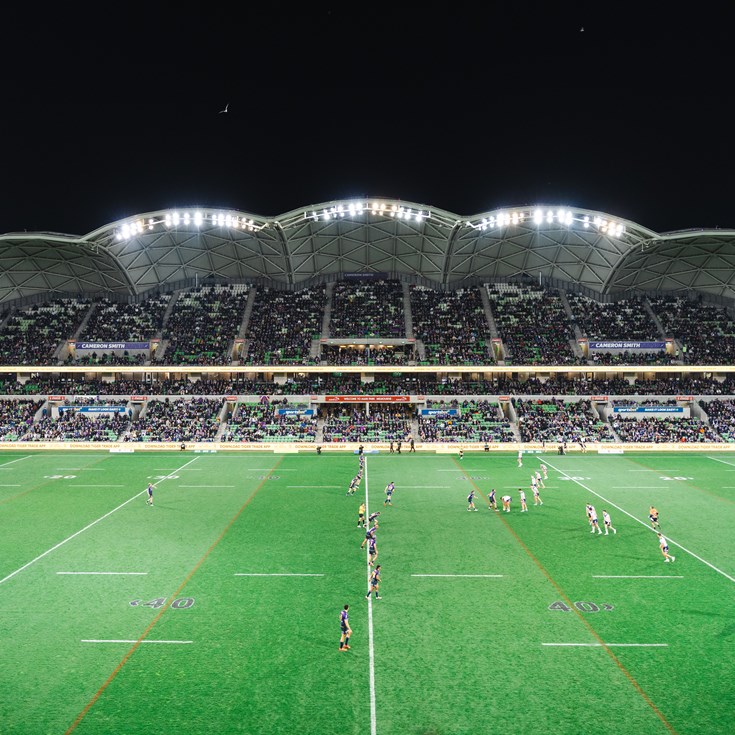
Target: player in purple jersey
{"type": "Point", "coordinates": [374, 584]}
{"type": "Point", "coordinates": [471, 501]}
{"type": "Point", "coordinates": [345, 630]}
{"type": "Point", "coordinates": [372, 551]}
{"type": "Point", "coordinates": [369, 535]}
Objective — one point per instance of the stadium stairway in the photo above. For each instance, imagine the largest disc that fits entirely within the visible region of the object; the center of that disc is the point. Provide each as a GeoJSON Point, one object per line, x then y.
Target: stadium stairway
{"type": "Point", "coordinates": [327, 318]}
{"type": "Point", "coordinates": [319, 439]}
{"type": "Point", "coordinates": [85, 321]}
{"type": "Point", "coordinates": [494, 334]}
{"type": "Point", "coordinates": [407, 313]}
{"type": "Point", "coordinates": [248, 312]}
{"type": "Point", "coordinates": [661, 331]}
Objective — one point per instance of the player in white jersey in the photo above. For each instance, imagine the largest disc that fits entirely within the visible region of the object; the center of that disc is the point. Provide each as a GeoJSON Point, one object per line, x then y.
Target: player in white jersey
{"type": "Point", "coordinates": [506, 503]}
{"type": "Point", "coordinates": [524, 507]}
{"type": "Point", "coordinates": [606, 520]}
{"type": "Point", "coordinates": [536, 497]}
{"type": "Point", "coordinates": [539, 479]}
{"type": "Point", "coordinates": [520, 458]}
{"type": "Point", "coordinates": [592, 513]}
{"type": "Point", "coordinates": [664, 546]}
{"type": "Point", "coordinates": [545, 471]}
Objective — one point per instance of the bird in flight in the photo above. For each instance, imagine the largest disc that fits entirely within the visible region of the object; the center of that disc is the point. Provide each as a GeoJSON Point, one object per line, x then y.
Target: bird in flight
{"type": "Point", "coordinates": [226, 108]}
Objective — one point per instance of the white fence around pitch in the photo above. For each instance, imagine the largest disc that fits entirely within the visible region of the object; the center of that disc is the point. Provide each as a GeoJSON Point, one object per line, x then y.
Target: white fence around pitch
{"type": "Point", "coordinates": [369, 448]}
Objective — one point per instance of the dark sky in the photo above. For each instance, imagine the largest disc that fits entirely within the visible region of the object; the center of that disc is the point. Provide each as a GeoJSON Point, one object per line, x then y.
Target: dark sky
{"type": "Point", "coordinates": [462, 107]}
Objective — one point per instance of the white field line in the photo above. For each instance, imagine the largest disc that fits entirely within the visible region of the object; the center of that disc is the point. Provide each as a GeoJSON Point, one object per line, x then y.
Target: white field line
{"type": "Point", "coordinates": [4, 466]}
{"type": "Point", "coordinates": [204, 487]}
{"type": "Point", "coordinates": [484, 576]}
{"type": "Point", "coordinates": [609, 645]}
{"type": "Point", "coordinates": [426, 487]}
{"type": "Point", "coordinates": [121, 574]}
{"type": "Point", "coordinates": [637, 576]}
{"type": "Point", "coordinates": [9, 485]}
{"type": "Point", "coordinates": [82, 530]}
{"type": "Point", "coordinates": [371, 641]}
{"type": "Point", "coordinates": [640, 487]}
{"type": "Point", "coordinates": [96, 485]}
{"type": "Point", "coordinates": [314, 486]}
{"type": "Point", "coordinates": [729, 464]}
{"type": "Point", "coordinates": [276, 574]}
{"type": "Point", "coordinates": [638, 520]}
{"type": "Point", "coordinates": [79, 469]}
{"type": "Point", "coordinates": [125, 640]}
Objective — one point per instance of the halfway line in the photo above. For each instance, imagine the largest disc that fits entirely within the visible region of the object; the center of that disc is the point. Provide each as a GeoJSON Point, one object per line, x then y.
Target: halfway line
{"type": "Point", "coordinates": [371, 635]}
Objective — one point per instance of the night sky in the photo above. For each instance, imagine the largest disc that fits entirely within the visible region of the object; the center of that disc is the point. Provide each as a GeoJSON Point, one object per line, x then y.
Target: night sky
{"type": "Point", "coordinates": [461, 107]}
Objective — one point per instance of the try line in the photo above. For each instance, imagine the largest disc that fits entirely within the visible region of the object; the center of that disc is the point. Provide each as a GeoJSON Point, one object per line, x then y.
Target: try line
{"type": "Point", "coordinates": [638, 520]}
{"type": "Point", "coordinates": [87, 527]}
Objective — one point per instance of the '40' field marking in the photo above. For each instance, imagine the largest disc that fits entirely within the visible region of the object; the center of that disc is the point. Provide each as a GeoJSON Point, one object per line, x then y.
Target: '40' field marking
{"type": "Point", "coordinates": [582, 606]}
{"type": "Point", "coordinates": [180, 604]}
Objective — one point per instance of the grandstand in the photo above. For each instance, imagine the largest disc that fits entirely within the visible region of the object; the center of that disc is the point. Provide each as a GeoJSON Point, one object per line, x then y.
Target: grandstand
{"type": "Point", "coordinates": [370, 298]}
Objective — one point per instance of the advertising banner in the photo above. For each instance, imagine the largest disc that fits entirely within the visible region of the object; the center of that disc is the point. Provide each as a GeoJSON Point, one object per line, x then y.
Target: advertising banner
{"type": "Point", "coordinates": [367, 399]}
{"type": "Point", "coordinates": [113, 345]}
{"type": "Point", "coordinates": [626, 345]}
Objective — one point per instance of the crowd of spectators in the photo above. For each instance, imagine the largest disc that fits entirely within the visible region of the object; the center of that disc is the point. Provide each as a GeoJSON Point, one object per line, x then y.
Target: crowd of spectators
{"type": "Point", "coordinates": [555, 420]}
{"type": "Point", "coordinates": [721, 415]}
{"type": "Point", "coordinates": [352, 385]}
{"type": "Point", "coordinates": [474, 421]}
{"type": "Point", "coordinates": [453, 326]}
{"type": "Point", "coordinates": [32, 335]}
{"type": "Point", "coordinates": [369, 309]}
{"type": "Point", "coordinates": [533, 325]}
{"type": "Point", "coordinates": [74, 426]}
{"type": "Point", "coordinates": [659, 429]}
{"type": "Point", "coordinates": [382, 423]}
{"type": "Point", "coordinates": [705, 332]}
{"type": "Point", "coordinates": [367, 355]}
{"type": "Point", "coordinates": [203, 325]}
{"type": "Point", "coordinates": [639, 357]}
{"type": "Point", "coordinates": [283, 325]}
{"type": "Point", "coordinates": [258, 422]}
{"type": "Point", "coordinates": [178, 420]}
{"type": "Point", "coordinates": [16, 418]}
{"type": "Point", "coordinates": [627, 319]}
{"type": "Point", "coordinates": [112, 321]}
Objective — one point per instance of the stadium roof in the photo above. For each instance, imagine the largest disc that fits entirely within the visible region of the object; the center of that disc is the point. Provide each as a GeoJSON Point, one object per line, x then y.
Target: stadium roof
{"type": "Point", "coordinates": [590, 251]}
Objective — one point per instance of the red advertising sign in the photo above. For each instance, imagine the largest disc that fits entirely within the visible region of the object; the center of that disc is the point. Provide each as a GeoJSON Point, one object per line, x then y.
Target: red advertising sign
{"type": "Point", "coordinates": [230, 398]}
{"type": "Point", "coordinates": [138, 398]}
{"type": "Point", "coordinates": [685, 398]}
{"type": "Point", "coordinates": [367, 399]}
{"type": "Point", "coordinates": [503, 398]}
{"type": "Point", "coordinates": [598, 398]}
{"type": "Point", "coordinates": [57, 398]}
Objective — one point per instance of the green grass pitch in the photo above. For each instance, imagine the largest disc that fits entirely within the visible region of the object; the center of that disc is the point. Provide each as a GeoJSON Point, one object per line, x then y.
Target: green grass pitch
{"type": "Point", "coordinates": [216, 611]}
